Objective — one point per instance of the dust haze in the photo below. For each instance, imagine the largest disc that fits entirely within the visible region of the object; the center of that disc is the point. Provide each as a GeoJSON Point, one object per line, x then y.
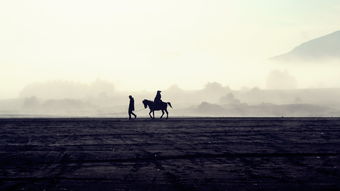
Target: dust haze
{"type": "Point", "coordinates": [209, 58]}
{"type": "Point", "coordinates": [101, 99]}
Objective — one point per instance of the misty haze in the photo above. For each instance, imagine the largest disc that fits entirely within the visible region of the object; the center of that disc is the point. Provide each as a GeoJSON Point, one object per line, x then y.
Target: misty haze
{"type": "Point", "coordinates": [169, 95]}
{"type": "Point", "coordinates": [101, 99]}
{"type": "Point", "coordinates": [311, 90]}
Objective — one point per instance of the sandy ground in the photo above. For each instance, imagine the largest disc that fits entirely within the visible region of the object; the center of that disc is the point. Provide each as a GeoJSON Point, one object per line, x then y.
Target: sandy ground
{"type": "Point", "coordinates": [177, 154]}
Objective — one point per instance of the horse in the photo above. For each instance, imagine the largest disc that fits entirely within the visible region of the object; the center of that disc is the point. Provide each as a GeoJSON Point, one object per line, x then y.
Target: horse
{"type": "Point", "coordinates": [156, 107]}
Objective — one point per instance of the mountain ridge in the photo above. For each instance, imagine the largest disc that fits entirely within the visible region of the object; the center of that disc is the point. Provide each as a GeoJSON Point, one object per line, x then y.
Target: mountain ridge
{"type": "Point", "coordinates": [321, 48]}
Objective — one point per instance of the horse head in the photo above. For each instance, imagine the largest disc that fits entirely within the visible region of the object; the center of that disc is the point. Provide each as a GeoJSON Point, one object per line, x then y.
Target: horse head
{"type": "Point", "coordinates": [145, 103]}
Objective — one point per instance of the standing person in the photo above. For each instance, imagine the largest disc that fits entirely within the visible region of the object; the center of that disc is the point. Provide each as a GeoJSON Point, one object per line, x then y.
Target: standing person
{"type": "Point", "coordinates": [132, 107]}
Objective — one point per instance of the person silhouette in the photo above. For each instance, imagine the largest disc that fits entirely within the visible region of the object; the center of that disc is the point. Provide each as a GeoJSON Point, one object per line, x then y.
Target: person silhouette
{"type": "Point", "coordinates": [131, 107]}
{"type": "Point", "coordinates": [158, 97]}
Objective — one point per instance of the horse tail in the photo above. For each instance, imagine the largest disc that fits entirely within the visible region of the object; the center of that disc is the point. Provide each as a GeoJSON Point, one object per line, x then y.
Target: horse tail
{"type": "Point", "coordinates": [169, 104]}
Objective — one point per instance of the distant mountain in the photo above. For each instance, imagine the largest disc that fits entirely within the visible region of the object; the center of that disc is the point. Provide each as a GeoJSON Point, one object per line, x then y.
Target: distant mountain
{"type": "Point", "coordinates": [325, 47]}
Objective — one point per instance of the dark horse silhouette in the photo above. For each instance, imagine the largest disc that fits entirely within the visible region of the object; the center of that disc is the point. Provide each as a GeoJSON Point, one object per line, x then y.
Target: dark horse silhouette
{"type": "Point", "coordinates": [156, 107]}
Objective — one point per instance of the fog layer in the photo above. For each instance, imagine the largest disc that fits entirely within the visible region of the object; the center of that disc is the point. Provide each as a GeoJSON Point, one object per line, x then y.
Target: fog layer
{"type": "Point", "coordinates": [102, 99]}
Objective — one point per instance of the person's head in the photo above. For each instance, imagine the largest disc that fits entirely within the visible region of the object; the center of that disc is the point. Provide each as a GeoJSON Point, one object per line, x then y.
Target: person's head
{"type": "Point", "coordinates": [130, 96]}
{"type": "Point", "coordinates": [159, 91]}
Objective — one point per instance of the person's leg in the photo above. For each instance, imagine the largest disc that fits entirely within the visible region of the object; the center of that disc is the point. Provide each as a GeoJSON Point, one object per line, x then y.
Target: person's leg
{"type": "Point", "coordinates": [129, 115]}
{"type": "Point", "coordinates": [134, 114]}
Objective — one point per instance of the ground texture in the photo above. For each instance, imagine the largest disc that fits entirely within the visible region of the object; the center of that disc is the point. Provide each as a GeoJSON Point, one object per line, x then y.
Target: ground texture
{"type": "Point", "coordinates": [176, 154]}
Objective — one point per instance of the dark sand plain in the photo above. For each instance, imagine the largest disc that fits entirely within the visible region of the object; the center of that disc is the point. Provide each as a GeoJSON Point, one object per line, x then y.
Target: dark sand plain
{"type": "Point", "coordinates": [176, 154]}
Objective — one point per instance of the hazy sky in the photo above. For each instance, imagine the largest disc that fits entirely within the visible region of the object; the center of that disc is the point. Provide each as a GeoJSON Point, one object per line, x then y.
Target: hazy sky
{"type": "Point", "coordinates": [152, 44]}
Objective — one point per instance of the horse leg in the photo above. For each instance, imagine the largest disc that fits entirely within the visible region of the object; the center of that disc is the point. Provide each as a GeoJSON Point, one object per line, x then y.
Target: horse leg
{"type": "Point", "coordinates": [167, 113]}
{"type": "Point", "coordinates": [150, 114]}
{"type": "Point", "coordinates": [153, 113]}
{"type": "Point", "coordinates": [162, 114]}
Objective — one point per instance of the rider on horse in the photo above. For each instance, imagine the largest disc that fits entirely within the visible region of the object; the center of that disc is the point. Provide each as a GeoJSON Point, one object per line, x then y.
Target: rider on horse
{"type": "Point", "coordinates": [158, 99]}
{"type": "Point", "coordinates": [157, 105]}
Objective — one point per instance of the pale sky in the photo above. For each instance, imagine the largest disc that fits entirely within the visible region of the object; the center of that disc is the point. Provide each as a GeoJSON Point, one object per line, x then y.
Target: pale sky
{"type": "Point", "coordinates": [153, 44]}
